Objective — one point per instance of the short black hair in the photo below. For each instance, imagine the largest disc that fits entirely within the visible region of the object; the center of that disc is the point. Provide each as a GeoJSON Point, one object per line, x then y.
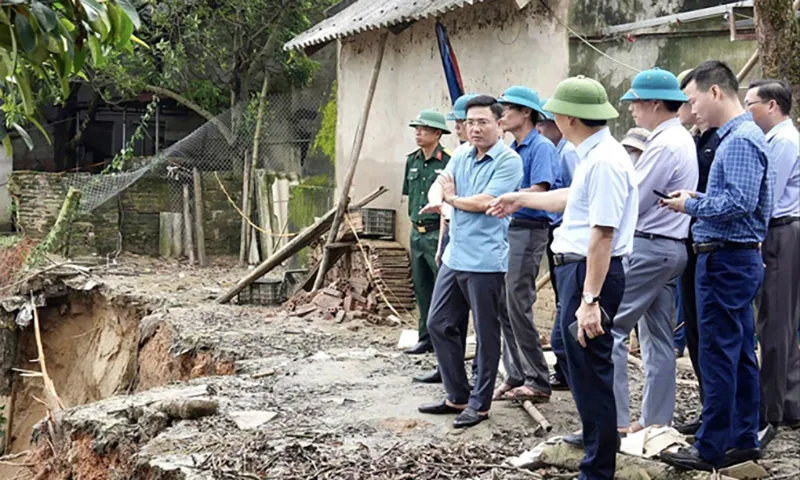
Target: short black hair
{"type": "Point", "coordinates": [714, 72]}
{"type": "Point", "coordinates": [672, 105]}
{"type": "Point", "coordinates": [487, 101]}
{"type": "Point", "coordinates": [778, 90]}
{"type": "Point", "coordinates": [594, 123]}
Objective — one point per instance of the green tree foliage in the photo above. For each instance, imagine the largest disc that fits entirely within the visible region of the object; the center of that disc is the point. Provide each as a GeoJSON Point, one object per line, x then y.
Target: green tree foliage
{"type": "Point", "coordinates": [44, 44]}
{"type": "Point", "coordinates": [214, 53]}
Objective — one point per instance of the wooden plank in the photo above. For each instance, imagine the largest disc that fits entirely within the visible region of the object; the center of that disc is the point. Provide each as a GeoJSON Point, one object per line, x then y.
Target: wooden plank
{"type": "Point", "coordinates": [198, 218]}
{"type": "Point", "coordinates": [187, 224]}
{"type": "Point", "coordinates": [341, 207]}
{"type": "Point", "coordinates": [305, 238]}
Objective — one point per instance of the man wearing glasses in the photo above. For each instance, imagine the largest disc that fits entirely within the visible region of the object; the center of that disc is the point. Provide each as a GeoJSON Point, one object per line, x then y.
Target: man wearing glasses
{"type": "Point", "coordinates": [474, 263]}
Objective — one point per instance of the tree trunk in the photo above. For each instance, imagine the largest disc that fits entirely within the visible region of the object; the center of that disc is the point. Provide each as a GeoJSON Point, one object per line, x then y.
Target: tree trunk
{"type": "Point", "coordinates": [224, 130]}
{"type": "Point", "coordinates": [778, 35]}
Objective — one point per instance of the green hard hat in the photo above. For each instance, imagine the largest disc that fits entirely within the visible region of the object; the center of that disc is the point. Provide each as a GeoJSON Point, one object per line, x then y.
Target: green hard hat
{"type": "Point", "coordinates": [655, 84]}
{"type": "Point", "coordinates": [430, 118]}
{"type": "Point", "coordinates": [581, 97]}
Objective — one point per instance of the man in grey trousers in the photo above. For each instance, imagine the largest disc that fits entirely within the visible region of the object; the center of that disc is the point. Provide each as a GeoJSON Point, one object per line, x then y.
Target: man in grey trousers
{"type": "Point", "coordinates": [770, 102]}
{"type": "Point", "coordinates": [668, 163]}
{"type": "Point", "coordinates": [527, 374]}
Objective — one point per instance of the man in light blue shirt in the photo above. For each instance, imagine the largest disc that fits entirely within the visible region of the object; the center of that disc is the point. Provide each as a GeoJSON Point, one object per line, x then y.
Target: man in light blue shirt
{"type": "Point", "coordinates": [668, 163]}
{"type": "Point", "coordinates": [600, 210]}
{"type": "Point", "coordinates": [770, 102]}
{"type": "Point", "coordinates": [474, 263]}
{"type": "Point", "coordinates": [527, 373]}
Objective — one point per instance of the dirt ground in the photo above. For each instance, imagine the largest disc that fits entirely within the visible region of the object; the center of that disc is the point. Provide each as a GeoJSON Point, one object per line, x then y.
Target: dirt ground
{"type": "Point", "coordinates": [344, 403]}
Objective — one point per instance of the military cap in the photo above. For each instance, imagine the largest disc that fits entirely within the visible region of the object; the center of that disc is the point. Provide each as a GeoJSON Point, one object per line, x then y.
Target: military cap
{"type": "Point", "coordinates": [430, 118]}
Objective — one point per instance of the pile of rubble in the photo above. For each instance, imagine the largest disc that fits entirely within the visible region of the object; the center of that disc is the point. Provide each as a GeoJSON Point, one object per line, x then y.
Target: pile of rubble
{"type": "Point", "coordinates": [344, 299]}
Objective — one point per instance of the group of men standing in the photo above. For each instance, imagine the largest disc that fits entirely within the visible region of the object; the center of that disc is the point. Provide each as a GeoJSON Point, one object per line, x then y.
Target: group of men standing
{"type": "Point", "coordinates": [620, 239]}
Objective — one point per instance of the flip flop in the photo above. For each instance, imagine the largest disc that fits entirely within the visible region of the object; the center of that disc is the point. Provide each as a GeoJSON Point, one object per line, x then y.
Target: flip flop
{"type": "Point", "coordinates": [501, 391]}
{"type": "Point", "coordinates": [521, 394]}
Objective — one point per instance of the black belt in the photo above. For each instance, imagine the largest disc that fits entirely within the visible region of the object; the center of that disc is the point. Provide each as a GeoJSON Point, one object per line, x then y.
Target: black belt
{"type": "Point", "coordinates": [424, 227]}
{"type": "Point", "coordinates": [654, 236]}
{"type": "Point", "coordinates": [709, 247]}
{"type": "Point", "coordinates": [781, 221]}
{"type": "Point", "coordinates": [565, 258]}
{"type": "Point", "coordinates": [529, 223]}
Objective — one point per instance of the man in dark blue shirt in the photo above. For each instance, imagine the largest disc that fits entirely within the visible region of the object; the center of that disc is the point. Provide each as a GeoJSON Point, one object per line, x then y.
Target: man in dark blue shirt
{"type": "Point", "coordinates": [527, 374]}
{"type": "Point", "coordinates": [732, 218]}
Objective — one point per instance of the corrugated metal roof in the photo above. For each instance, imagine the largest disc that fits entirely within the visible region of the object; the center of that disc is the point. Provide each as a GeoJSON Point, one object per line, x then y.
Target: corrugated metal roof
{"type": "Point", "coordinates": [367, 15]}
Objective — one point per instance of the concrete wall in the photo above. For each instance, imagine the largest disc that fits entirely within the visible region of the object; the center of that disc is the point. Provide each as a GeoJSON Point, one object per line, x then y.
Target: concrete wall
{"type": "Point", "coordinates": [496, 45]}
{"type": "Point", "coordinates": [675, 47]}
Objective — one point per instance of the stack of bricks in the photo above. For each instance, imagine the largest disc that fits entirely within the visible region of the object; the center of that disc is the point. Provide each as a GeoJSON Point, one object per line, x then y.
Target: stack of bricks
{"type": "Point", "coordinates": [344, 299]}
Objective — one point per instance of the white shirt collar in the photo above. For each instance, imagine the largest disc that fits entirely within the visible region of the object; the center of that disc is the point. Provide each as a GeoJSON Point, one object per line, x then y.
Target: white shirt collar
{"type": "Point", "coordinates": [587, 145]}
{"type": "Point", "coordinates": [774, 131]}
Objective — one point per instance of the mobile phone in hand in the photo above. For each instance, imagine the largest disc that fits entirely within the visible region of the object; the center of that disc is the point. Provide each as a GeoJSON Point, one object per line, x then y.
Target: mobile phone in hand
{"type": "Point", "coordinates": [605, 321]}
{"type": "Point", "coordinates": [661, 194]}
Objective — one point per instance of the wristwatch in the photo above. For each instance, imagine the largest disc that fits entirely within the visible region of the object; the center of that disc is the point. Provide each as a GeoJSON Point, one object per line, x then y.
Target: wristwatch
{"type": "Point", "coordinates": [590, 299]}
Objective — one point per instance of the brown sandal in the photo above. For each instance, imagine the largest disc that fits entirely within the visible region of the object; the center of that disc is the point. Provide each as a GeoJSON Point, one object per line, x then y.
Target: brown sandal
{"type": "Point", "coordinates": [500, 392]}
{"type": "Point", "coordinates": [523, 393]}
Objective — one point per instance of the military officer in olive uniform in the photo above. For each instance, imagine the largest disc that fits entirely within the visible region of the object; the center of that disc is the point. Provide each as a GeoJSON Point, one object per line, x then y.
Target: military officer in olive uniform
{"type": "Point", "coordinates": [422, 167]}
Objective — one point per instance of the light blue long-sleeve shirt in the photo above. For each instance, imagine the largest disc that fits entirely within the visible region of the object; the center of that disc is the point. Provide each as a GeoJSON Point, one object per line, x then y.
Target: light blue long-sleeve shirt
{"type": "Point", "coordinates": [568, 160]}
{"type": "Point", "coordinates": [784, 145]}
{"type": "Point", "coordinates": [668, 163]}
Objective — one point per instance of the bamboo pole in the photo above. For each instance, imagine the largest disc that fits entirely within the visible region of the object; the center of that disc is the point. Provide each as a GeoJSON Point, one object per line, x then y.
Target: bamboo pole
{"type": "Point", "coordinates": [348, 180]}
{"type": "Point", "coordinates": [245, 228]}
{"type": "Point", "coordinates": [198, 218]}
{"type": "Point", "coordinates": [299, 242]}
{"type": "Point", "coordinates": [187, 224]}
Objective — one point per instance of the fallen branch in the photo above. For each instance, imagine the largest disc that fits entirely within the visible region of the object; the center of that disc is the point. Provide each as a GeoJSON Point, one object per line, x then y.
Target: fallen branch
{"type": "Point", "coordinates": [544, 426]}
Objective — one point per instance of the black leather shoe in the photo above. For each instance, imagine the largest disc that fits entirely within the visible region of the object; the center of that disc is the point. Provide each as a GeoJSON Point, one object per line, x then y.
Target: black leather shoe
{"type": "Point", "coordinates": [469, 418]}
{"type": "Point", "coordinates": [438, 408]}
{"type": "Point", "coordinates": [691, 427]}
{"type": "Point", "coordinates": [420, 348]}
{"type": "Point", "coordinates": [766, 435]}
{"type": "Point", "coordinates": [687, 458]}
{"type": "Point", "coordinates": [432, 376]}
{"type": "Point", "coordinates": [558, 385]}
{"type": "Point", "coordinates": [736, 456]}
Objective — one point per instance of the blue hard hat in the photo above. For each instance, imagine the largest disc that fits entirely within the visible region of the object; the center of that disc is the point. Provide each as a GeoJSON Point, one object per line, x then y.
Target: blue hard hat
{"type": "Point", "coordinates": [522, 96]}
{"type": "Point", "coordinates": [655, 84]}
{"type": "Point", "coordinates": [460, 107]}
{"type": "Point", "coordinates": [548, 115]}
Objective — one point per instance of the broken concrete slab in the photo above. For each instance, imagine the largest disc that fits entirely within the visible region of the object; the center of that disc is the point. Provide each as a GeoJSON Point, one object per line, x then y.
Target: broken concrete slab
{"type": "Point", "coordinates": [651, 441]}
{"type": "Point", "coordinates": [563, 455]}
{"type": "Point", "coordinates": [251, 419]}
{"type": "Point", "coordinates": [745, 471]}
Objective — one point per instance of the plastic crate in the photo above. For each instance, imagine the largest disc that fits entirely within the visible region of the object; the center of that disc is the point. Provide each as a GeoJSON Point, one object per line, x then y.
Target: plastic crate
{"type": "Point", "coordinates": [378, 223]}
{"type": "Point", "coordinates": [264, 291]}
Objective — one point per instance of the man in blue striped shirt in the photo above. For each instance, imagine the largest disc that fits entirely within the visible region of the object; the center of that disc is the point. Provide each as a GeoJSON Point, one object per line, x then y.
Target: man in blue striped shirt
{"type": "Point", "coordinates": [732, 218]}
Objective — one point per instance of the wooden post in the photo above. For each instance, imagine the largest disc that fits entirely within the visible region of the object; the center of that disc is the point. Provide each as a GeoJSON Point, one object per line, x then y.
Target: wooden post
{"type": "Point", "coordinates": [245, 230]}
{"type": "Point", "coordinates": [9, 335]}
{"type": "Point", "coordinates": [198, 218]}
{"type": "Point", "coordinates": [348, 180]}
{"type": "Point", "coordinates": [299, 242]}
{"type": "Point", "coordinates": [187, 224]}
{"type": "Point", "coordinates": [263, 203]}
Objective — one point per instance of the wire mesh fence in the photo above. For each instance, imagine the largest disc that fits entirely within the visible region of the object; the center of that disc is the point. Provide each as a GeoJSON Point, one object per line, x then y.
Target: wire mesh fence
{"type": "Point", "coordinates": [200, 187]}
